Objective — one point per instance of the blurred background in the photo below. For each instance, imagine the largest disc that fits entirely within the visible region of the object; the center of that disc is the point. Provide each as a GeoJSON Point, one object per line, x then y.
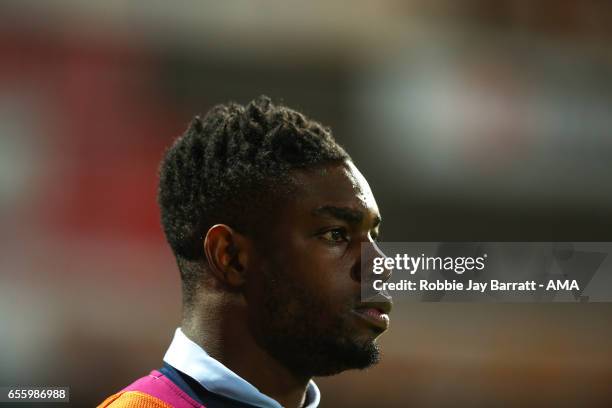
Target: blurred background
{"type": "Point", "coordinates": [473, 120]}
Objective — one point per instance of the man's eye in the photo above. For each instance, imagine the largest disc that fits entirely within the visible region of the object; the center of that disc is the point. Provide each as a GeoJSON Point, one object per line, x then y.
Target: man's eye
{"type": "Point", "coordinates": [335, 235]}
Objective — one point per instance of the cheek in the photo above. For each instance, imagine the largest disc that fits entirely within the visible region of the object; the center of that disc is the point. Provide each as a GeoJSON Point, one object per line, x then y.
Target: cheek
{"type": "Point", "coordinates": [317, 269]}
{"type": "Point", "coordinates": [326, 276]}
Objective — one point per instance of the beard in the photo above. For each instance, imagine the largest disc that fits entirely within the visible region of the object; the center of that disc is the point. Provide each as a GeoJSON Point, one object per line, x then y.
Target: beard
{"type": "Point", "coordinates": [292, 327]}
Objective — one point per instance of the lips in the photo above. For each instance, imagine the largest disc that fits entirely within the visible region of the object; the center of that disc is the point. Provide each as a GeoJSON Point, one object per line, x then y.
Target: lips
{"type": "Point", "coordinates": [375, 315]}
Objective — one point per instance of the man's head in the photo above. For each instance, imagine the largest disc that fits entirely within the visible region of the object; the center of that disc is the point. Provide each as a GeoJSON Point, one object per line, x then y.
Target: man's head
{"type": "Point", "coordinates": [261, 205]}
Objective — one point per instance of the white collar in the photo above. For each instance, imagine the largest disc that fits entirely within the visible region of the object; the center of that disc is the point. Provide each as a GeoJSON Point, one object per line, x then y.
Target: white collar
{"type": "Point", "coordinates": [191, 359]}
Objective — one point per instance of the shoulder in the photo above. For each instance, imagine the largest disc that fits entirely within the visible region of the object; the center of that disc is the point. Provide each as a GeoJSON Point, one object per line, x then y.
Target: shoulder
{"type": "Point", "coordinates": [152, 391]}
{"type": "Point", "coordinates": [133, 399]}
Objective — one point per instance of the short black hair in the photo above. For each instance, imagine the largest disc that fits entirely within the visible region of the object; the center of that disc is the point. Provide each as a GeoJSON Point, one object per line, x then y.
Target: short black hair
{"type": "Point", "coordinates": [228, 162]}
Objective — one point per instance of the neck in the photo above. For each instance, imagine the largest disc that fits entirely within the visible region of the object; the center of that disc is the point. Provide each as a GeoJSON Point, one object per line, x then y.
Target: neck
{"type": "Point", "coordinates": [229, 341]}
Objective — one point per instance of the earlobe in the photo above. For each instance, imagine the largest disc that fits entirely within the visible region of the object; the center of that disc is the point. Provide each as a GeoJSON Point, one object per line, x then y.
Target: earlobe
{"type": "Point", "coordinates": [226, 254]}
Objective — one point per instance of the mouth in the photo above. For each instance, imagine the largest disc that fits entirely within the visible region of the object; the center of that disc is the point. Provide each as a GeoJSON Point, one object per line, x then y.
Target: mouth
{"type": "Point", "coordinates": [376, 315]}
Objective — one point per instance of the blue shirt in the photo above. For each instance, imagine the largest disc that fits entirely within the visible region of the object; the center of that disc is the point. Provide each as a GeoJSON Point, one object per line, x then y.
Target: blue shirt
{"type": "Point", "coordinates": [191, 359]}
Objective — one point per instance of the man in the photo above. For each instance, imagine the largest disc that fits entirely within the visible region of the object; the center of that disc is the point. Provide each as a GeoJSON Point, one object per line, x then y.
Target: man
{"type": "Point", "coordinates": [266, 215]}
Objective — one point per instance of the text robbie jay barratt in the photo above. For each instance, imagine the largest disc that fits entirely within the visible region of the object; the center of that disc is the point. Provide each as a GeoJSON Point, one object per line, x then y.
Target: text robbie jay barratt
{"type": "Point", "coordinates": [472, 285]}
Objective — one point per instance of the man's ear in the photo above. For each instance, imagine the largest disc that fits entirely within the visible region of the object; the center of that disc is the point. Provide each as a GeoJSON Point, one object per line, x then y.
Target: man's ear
{"type": "Point", "coordinates": [227, 254]}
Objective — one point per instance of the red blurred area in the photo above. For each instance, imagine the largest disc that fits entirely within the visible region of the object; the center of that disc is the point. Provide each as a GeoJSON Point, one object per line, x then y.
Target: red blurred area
{"type": "Point", "coordinates": [105, 124]}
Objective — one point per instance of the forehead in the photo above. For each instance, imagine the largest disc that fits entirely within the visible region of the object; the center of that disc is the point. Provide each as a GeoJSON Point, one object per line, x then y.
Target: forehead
{"type": "Point", "coordinates": [340, 185]}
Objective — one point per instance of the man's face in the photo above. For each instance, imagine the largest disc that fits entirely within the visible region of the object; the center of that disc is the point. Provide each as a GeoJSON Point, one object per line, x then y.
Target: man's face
{"type": "Point", "coordinates": [305, 307]}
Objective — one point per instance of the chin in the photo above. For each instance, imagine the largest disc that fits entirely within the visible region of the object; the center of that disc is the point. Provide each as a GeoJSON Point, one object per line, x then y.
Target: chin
{"type": "Point", "coordinates": [325, 355]}
{"type": "Point", "coordinates": [356, 354]}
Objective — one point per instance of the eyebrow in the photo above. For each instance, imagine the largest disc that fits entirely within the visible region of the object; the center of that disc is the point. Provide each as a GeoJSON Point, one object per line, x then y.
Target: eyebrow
{"type": "Point", "coordinates": [347, 214]}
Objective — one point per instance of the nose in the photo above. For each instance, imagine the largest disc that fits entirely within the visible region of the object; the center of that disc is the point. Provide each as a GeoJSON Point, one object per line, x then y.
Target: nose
{"type": "Point", "coordinates": [372, 260]}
